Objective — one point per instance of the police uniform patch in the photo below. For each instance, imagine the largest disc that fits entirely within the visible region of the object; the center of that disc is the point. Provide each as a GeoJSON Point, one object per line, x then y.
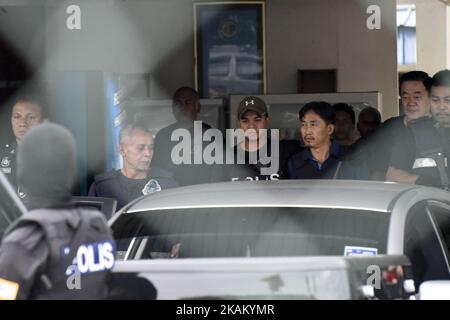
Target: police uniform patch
{"type": "Point", "coordinates": [95, 257]}
{"type": "Point", "coordinates": [6, 170]}
{"type": "Point", "coordinates": [151, 187]}
{"type": "Point", "coordinates": [8, 290]}
{"type": "Point", "coordinates": [5, 162]}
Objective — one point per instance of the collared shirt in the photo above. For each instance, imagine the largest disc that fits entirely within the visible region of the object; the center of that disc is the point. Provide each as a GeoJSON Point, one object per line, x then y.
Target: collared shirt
{"type": "Point", "coordinates": [303, 165]}
{"type": "Point", "coordinates": [335, 155]}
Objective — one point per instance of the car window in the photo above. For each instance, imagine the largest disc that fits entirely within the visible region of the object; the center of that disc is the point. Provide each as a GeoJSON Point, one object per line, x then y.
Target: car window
{"type": "Point", "coordinates": [441, 215]}
{"type": "Point", "coordinates": [252, 231]}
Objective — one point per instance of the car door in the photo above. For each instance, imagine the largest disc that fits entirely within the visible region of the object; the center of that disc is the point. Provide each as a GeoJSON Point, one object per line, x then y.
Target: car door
{"type": "Point", "coordinates": [439, 213]}
{"type": "Point", "coordinates": [424, 241]}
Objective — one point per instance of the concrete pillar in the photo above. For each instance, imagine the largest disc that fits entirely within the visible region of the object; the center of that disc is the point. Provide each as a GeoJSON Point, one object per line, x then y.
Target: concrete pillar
{"type": "Point", "coordinates": [367, 59]}
{"type": "Point", "coordinates": [432, 26]}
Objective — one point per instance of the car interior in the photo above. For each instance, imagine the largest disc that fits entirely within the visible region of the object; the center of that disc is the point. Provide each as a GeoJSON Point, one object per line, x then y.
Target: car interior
{"type": "Point", "coordinates": [241, 232]}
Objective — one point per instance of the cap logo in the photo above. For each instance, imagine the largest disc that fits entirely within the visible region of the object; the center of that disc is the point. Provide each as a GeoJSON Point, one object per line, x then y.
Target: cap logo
{"type": "Point", "coordinates": [252, 102]}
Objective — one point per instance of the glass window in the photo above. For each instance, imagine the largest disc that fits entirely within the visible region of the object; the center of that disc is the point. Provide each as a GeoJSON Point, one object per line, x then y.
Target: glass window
{"type": "Point", "coordinates": [406, 35]}
{"type": "Point", "coordinates": [252, 231]}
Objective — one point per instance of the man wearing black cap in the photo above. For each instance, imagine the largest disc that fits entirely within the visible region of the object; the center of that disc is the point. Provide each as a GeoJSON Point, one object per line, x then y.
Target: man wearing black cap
{"type": "Point", "coordinates": [258, 155]}
{"type": "Point", "coordinates": [47, 250]}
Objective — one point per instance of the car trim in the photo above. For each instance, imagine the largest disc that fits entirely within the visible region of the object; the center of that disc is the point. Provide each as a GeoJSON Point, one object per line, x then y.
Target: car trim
{"type": "Point", "coordinates": [438, 235]}
{"type": "Point", "coordinates": [258, 206]}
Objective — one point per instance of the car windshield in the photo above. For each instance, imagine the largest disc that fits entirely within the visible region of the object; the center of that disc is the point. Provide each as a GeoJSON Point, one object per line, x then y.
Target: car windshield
{"type": "Point", "coordinates": [249, 232]}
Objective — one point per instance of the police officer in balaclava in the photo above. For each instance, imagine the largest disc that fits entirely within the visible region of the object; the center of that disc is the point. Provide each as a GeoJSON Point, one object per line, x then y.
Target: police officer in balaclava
{"type": "Point", "coordinates": [55, 251]}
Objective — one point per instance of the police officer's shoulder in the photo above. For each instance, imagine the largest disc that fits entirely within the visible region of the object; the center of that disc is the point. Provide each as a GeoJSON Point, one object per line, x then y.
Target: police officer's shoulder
{"type": "Point", "coordinates": [110, 175]}
{"type": "Point", "coordinates": [26, 234]}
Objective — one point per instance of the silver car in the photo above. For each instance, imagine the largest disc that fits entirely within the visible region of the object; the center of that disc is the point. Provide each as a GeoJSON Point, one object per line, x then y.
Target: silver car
{"type": "Point", "coordinates": [310, 239]}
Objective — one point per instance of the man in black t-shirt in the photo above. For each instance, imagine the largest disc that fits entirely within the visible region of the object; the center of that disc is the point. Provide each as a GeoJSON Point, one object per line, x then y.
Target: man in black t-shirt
{"type": "Point", "coordinates": [421, 157]}
{"type": "Point", "coordinates": [186, 108]}
{"type": "Point", "coordinates": [258, 155]}
{"type": "Point", "coordinates": [415, 102]}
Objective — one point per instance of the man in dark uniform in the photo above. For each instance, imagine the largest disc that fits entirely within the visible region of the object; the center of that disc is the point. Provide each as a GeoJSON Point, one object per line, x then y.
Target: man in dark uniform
{"type": "Point", "coordinates": [369, 148]}
{"type": "Point", "coordinates": [55, 251]}
{"type": "Point", "coordinates": [26, 113]}
{"type": "Point", "coordinates": [135, 178]}
{"type": "Point", "coordinates": [415, 102]}
{"type": "Point", "coordinates": [344, 130]}
{"type": "Point", "coordinates": [186, 108]}
{"type": "Point", "coordinates": [421, 157]}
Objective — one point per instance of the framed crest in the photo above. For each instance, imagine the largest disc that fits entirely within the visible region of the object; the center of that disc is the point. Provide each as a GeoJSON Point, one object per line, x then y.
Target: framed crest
{"type": "Point", "coordinates": [229, 48]}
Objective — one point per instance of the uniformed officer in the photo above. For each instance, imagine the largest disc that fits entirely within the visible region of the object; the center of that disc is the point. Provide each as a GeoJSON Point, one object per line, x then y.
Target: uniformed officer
{"type": "Point", "coordinates": [55, 251]}
{"type": "Point", "coordinates": [422, 156]}
{"type": "Point", "coordinates": [26, 113]}
{"type": "Point", "coordinates": [135, 178]}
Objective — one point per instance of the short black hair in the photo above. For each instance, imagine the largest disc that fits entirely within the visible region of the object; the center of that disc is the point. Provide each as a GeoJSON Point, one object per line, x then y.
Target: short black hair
{"type": "Point", "coordinates": [33, 99]}
{"type": "Point", "coordinates": [186, 89]}
{"type": "Point", "coordinates": [343, 107]}
{"type": "Point", "coordinates": [323, 109]}
{"type": "Point", "coordinates": [420, 76]}
{"type": "Point", "coordinates": [441, 78]}
{"type": "Point", "coordinates": [370, 110]}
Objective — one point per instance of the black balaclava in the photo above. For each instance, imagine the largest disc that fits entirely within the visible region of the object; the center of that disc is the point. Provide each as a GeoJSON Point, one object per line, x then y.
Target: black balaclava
{"type": "Point", "coordinates": [46, 166]}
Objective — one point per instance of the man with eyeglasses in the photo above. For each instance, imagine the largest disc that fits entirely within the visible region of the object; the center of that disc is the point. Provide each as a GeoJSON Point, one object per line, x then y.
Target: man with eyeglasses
{"type": "Point", "coordinates": [26, 113]}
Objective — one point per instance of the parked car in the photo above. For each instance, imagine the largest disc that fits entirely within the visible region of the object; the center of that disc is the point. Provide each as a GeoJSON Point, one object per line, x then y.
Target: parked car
{"type": "Point", "coordinates": [277, 240]}
{"type": "Point", "coordinates": [313, 239]}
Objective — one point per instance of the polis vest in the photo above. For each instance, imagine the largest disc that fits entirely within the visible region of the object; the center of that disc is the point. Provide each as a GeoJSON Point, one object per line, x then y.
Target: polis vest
{"type": "Point", "coordinates": [81, 253]}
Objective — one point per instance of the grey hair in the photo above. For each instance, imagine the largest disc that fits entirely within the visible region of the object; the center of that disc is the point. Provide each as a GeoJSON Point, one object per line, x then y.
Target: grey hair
{"type": "Point", "coordinates": [128, 129]}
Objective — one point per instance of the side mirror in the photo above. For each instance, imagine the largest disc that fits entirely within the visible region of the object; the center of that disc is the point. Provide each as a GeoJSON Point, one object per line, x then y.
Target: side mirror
{"type": "Point", "coordinates": [435, 290]}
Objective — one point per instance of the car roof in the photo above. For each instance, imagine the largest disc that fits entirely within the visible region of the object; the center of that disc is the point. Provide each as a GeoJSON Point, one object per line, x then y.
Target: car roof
{"type": "Point", "coordinates": [358, 195]}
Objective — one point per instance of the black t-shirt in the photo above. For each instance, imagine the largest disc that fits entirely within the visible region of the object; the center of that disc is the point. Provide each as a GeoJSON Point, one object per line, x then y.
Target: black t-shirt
{"type": "Point", "coordinates": [184, 174]}
{"type": "Point", "coordinates": [403, 152]}
{"type": "Point", "coordinates": [378, 148]}
{"type": "Point", "coordinates": [253, 163]}
{"type": "Point", "coordinates": [417, 151]}
{"type": "Point", "coordinates": [251, 168]}
{"type": "Point", "coordinates": [115, 185]}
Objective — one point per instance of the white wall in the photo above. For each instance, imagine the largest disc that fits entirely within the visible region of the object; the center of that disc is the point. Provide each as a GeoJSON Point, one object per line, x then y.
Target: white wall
{"type": "Point", "coordinates": [332, 34]}
{"type": "Point", "coordinates": [431, 36]}
{"type": "Point", "coordinates": [447, 28]}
